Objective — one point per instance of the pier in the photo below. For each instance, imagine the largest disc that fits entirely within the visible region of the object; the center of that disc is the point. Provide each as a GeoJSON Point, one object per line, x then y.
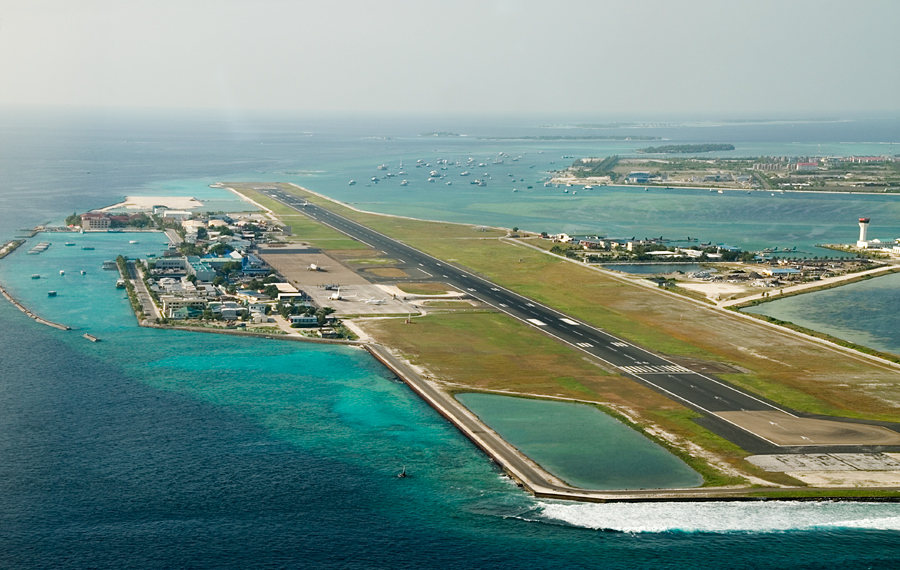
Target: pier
{"type": "Point", "coordinates": [22, 308]}
{"type": "Point", "coordinates": [10, 247]}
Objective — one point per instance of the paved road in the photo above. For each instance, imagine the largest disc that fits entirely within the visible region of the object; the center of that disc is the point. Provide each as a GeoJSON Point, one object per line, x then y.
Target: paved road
{"type": "Point", "coordinates": [700, 392]}
{"type": "Point", "coordinates": [149, 307]}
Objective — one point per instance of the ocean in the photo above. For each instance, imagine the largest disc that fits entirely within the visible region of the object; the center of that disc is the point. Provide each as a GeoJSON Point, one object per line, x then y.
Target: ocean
{"type": "Point", "coordinates": [161, 449]}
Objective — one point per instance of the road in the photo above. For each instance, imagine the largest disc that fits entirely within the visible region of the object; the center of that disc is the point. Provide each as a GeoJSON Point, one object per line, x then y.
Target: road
{"type": "Point", "coordinates": [702, 393]}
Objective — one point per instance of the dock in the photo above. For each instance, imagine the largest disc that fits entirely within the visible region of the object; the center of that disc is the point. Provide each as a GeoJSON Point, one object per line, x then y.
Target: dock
{"type": "Point", "coordinates": [22, 308]}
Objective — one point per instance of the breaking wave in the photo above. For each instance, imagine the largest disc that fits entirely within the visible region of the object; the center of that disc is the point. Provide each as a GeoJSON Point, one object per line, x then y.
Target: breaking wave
{"type": "Point", "coordinates": [721, 517]}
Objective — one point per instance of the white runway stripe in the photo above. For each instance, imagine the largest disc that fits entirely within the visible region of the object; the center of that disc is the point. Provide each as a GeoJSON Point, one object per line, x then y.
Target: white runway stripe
{"type": "Point", "coordinates": [663, 369]}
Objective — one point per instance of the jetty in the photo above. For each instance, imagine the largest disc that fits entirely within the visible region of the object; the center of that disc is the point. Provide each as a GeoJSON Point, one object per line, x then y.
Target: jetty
{"type": "Point", "coordinates": [10, 247]}
{"type": "Point", "coordinates": [22, 308]}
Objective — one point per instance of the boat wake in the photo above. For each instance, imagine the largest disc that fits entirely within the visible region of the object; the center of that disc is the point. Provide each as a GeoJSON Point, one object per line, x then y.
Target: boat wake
{"type": "Point", "coordinates": [721, 517]}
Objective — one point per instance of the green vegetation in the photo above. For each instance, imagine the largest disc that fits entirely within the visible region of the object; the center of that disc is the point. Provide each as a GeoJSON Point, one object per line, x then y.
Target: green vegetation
{"type": "Point", "coordinates": [584, 168]}
{"type": "Point", "coordinates": [424, 288]}
{"type": "Point", "coordinates": [686, 148]}
{"type": "Point", "coordinates": [73, 220]}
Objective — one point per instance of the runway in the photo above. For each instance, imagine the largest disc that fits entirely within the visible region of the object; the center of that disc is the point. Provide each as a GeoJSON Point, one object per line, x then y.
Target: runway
{"type": "Point", "coordinates": [703, 393]}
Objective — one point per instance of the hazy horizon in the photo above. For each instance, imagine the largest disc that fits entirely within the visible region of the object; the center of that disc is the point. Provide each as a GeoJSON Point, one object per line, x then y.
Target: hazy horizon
{"type": "Point", "coordinates": [646, 60]}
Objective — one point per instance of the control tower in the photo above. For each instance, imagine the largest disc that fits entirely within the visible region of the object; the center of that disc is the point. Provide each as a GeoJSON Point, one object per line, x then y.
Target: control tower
{"type": "Point", "coordinates": [863, 227]}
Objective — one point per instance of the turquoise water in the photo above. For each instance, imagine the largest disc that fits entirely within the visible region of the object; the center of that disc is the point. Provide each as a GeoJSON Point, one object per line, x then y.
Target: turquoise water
{"type": "Point", "coordinates": [580, 444]}
{"type": "Point", "coordinates": [161, 449]}
{"type": "Point", "coordinates": [864, 312]}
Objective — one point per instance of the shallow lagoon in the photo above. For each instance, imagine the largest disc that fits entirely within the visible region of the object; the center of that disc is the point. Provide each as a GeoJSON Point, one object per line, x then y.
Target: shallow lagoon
{"type": "Point", "coordinates": [580, 444]}
{"type": "Point", "coordinates": [864, 312]}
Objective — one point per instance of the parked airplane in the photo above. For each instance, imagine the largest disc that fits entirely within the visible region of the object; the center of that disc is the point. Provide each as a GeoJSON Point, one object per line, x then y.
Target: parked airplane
{"type": "Point", "coordinates": [336, 296]}
{"type": "Point", "coordinates": [314, 267]}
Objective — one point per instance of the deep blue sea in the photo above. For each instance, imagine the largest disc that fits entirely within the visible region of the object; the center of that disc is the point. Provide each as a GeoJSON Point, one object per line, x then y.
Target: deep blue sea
{"type": "Point", "coordinates": [159, 449]}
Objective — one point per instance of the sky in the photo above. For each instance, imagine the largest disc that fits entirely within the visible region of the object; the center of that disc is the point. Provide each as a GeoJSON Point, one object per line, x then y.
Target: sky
{"type": "Point", "coordinates": [652, 57]}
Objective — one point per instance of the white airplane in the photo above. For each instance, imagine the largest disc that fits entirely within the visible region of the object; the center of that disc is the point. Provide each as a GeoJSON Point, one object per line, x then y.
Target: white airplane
{"type": "Point", "coordinates": [314, 267]}
{"type": "Point", "coordinates": [374, 301]}
{"type": "Point", "coordinates": [336, 296]}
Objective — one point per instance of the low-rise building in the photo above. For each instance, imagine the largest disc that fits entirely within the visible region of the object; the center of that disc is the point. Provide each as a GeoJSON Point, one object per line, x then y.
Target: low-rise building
{"type": "Point", "coordinates": [304, 320]}
{"type": "Point", "coordinates": [97, 221]}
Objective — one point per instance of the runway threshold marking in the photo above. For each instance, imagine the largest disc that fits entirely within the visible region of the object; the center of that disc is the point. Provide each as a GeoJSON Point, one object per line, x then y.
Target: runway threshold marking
{"type": "Point", "coordinates": [584, 344]}
{"type": "Point", "coordinates": [664, 369]}
{"type": "Point", "coordinates": [537, 322]}
{"type": "Point", "coordinates": [622, 344]}
{"type": "Point", "coordinates": [569, 322]}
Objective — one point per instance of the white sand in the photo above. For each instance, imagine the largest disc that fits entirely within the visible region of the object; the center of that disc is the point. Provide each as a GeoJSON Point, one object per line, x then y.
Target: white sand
{"type": "Point", "coordinates": [147, 202]}
{"type": "Point", "coordinates": [715, 291]}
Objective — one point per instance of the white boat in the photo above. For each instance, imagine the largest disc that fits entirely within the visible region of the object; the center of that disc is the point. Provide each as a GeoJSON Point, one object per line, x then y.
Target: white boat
{"type": "Point", "coordinates": [404, 183]}
{"type": "Point", "coordinates": [35, 276]}
{"type": "Point", "coordinates": [383, 167]}
{"type": "Point", "coordinates": [83, 272]}
{"type": "Point", "coordinates": [62, 271]}
{"type": "Point", "coordinates": [588, 187]}
{"type": "Point", "coordinates": [352, 183]}
{"type": "Point", "coordinates": [133, 241]}
{"type": "Point", "coordinates": [449, 183]}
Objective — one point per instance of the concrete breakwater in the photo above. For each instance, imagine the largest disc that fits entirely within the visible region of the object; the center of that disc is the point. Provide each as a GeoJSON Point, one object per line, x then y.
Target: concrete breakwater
{"type": "Point", "coordinates": [22, 308]}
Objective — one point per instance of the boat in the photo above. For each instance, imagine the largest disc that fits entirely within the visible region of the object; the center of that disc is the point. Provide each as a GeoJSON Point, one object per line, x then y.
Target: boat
{"type": "Point", "coordinates": [383, 167]}
{"type": "Point", "coordinates": [375, 179]}
{"type": "Point", "coordinates": [110, 265]}
{"type": "Point", "coordinates": [721, 192]}
{"type": "Point", "coordinates": [404, 183]}
{"type": "Point", "coordinates": [402, 474]}
{"type": "Point", "coordinates": [91, 337]}
{"type": "Point", "coordinates": [120, 284]}
{"type": "Point", "coordinates": [87, 248]}
{"type": "Point", "coordinates": [70, 243]}
{"type": "Point", "coordinates": [133, 241]}
{"type": "Point", "coordinates": [588, 188]}
{"type": "Point", "coordinates": [83, 272]}
{"type": "Point", "coordinates": [352, 183]}
{"type": "Point", "coordinates": [62, 271]}
{"type": "Point", "coordinates": [449, 183]}
{"type": "Point", "coordinates": [51, 293]}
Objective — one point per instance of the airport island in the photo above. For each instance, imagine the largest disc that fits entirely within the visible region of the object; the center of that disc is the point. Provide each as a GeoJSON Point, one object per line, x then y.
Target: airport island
{"type": "Point", "coordinates": [756, 409]}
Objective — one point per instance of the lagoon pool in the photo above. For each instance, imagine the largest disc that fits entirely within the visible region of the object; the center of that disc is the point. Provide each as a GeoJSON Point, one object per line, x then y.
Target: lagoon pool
{"type": "Point", "coordinates": [580, 444]}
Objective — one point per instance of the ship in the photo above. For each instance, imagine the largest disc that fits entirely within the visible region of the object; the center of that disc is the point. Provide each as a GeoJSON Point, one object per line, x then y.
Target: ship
{"type": "Point", "coordinates": [87, 248]}
{"type": "Point", "coordinates": [51, 293]}
{"type": "Point", "coordinates": [35, 275]}
{"type": "Point", "coordinates": [111, 265]}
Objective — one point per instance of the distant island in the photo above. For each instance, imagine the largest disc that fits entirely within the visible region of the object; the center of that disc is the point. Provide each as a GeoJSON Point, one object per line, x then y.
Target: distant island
{"type": "Point", "coordinates": [574, 138]}
{"type": "Point", "coordinates": [686, 148]}
{"type": "Point", "coordinates": [440, 134]}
